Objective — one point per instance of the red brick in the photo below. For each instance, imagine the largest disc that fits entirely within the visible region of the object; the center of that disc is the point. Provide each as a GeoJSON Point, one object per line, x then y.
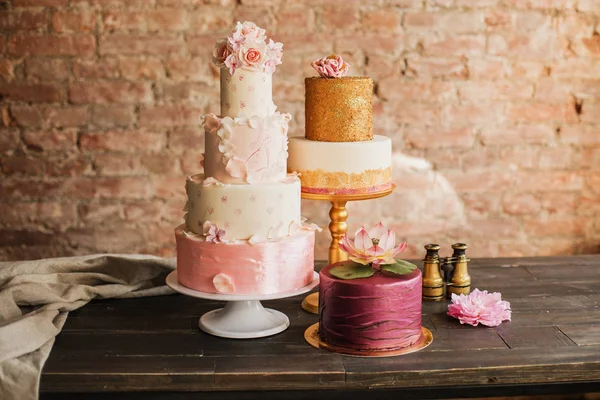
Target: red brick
{"type": "Point", "coordinates": [7, 70]}
{"type": "Point", "coordinates": [382, 19]}
{"type": "Point", "coordinates": [53, 214]}
{"type": "Point", "coordinates": [371, 44]}
{"type": "Point", "coordinates": [521, 204]}
{"type": "Point", "coordinates": [560, 202]}
{"type": "Point", "coordinates": [22, 188]}
{"type": "Point", "coordinates": [22, 165]}
{"type": "Point", "coordinates": [497, 19]}
{"type": "Point", "coordinates": [108, 116]}
{"type": "Point", "coordinates": [519, 157]}
{"type": "Point", "coordinates": [415, 113]}
{"type": "Point", "coordinates": [527, 69]}
{"type": "Point", "coordinates": [427, 67]}
{"type": "Point", "coordinates": [12, 21]}
{"type": "Point", "coordinates": [213, 20]}
{"type": "Point", "coordinates": [531, 20]}
{"type": "Point", "coordinates": [580, 134]}
{"type": "Point", "coordinates": [486, 69]}
{"type": "Point", "coordinates": [191, 161]}
{"type": "Point", "coordinates": [40, 3]}
{"type": "Point", "coordinates": [575, 67]}
{"type": "Point", "coordinates": [545, 181]}
{"type": "Point", "coordinates": [454, 45]}
{"type": "Point", "coordinates": [27, 116]}
{"type": "Point", "coordinates": [541, 112]}
{"type": "Point", "coordinates": [112, 239]}
{"type": "Point", "coordinates": [479, 114]}
{"type": "Point", "coordinates": [47, 69]}
{"type": "Point", "coordinates": [96, 69]}
{"type": "Point", "coordinates": [588, 157]}
{"type": "Point", "coordinates": [554, 227]}
{"type": "Point", "coordinates": [405, 3]}
{"type": "Point", "coordinates": [51, 140]}
{"type": "Point", "coordinates": [453, 21]}
{"type": "Point", "coordinates": [295, 16]}
{"type": "Point", "coordinates": [308, 45]}
{"type": "Point", "coordinates": [162, 163]}
{"type": "Point", "coordinates": [196, 69]}
{"type": "Point", "coordinates": [23, 237]}
{"type": "Point", "coordinates": [100, 212]}
{"type": "Point", "coordinates": [110, 92]}
{"type": "Point", "coordinates": [529, 134]}
{"type": "Point", "coordinates": [47, 45]}
{"type": "Point", "coordinates": [68, 164]}
{"type": "Point", "coordinates": [554, 247]}
{"type": "Point", "coordinates": [183, 139]}
{"type": "Point", "coordinates": [543, 4]}
{"type": "Point", "coordinates": [480, 181]}
{"type": "Point", "coordinates": [591, 112]}
{"type": "Point", "coordinates": [555, 158]}
{"type": "Point", "coordinates": [9, 140]}
{"type": "Point", "coordinates": [261, 16]}
{"type": "Point", "coordinates": [67, 116]}
{"type": "Point", "coordinates": [476, 91]}
{"type": "Point", "coordinates": [158, 20]}
{"type": "Point", "coordinates": [168, 187]}
{"type": "Point", "coordinates": [538, 46]}
{"type": "Point", "coordinates": [108, 188]}
{"type": "Point", "coordinates": [189, 91]}
{"type": "Point", "coordinates": [142, 68]}
{"type": "Point", "coordinates": [115, 164]}
{"type": "Point", "coordinates": [35, 92]}
{"type": "Point", "coordinates": [170, 115]}
{"type": "Point", "coordinates": [486, 158]}
{"type": "Point", "coordinates": [497, 228]}
{"type": "Point", "coordinates": [480, 205]}
{"type": "Point", "coordinates": [125, 141]}
{"type": "Point", "coordinates": [74, 22]}
{"type": "Point", "coordinates": [426, 91]}
{"type": "Point", "coordinates": [422, 137]}
{"type": "Point", "coordinates": [124, 44]}
{"type": "Point", "coordinates": [149, 211]}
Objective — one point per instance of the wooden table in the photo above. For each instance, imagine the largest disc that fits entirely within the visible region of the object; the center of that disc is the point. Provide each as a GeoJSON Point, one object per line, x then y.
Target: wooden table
{"type": "Point", "coordinates": [153, 345]}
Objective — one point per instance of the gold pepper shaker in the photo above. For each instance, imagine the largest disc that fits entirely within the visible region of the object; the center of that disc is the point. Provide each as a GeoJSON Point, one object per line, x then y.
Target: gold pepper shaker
{"type": "Point", "coordinates": [433, 284]}
{"type": "Point", "coordinates": [460, 282]}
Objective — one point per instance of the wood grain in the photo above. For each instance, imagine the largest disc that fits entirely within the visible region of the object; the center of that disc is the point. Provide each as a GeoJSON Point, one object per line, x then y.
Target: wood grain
{"type": "Point", "coordinates": [153, 345]}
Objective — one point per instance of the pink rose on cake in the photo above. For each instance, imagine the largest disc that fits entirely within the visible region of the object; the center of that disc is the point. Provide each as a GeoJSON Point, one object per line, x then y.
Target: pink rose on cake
{"type": "Point", "coordinates": [332, 66]}
{"type": "Point", "coordinates": [221, 51]}
{"type": "Point", "coordinates": [480, 307]}
{"type": "Point", "coordinates": [252, 55]}
{"type": "Point", "coordinates": [247, 48]}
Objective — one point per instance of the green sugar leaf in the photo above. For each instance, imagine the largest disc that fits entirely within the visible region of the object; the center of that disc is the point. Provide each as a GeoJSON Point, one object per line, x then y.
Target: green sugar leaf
{"type": "Point", "coordinates": [401, 267]}
{"type": "Point", "coordinates": [352, 270]}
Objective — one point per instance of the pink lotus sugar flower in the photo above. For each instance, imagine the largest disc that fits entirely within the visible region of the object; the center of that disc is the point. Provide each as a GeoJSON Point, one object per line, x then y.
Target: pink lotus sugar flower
{"type": "Point", "coordinates": [376, 246]}
{"type": "Point", "coordinates": [332, 66]}
{"type": "Point", "coordinates": [213, 233]}
{"type": "Point", "coordinates": [480, 307]}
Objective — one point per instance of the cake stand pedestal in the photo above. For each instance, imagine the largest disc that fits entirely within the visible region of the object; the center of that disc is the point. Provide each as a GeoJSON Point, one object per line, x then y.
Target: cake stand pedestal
{"type": "Point", "coordinates": [338, 214]}
{"type": "Point", "coordinates": [243, 317]}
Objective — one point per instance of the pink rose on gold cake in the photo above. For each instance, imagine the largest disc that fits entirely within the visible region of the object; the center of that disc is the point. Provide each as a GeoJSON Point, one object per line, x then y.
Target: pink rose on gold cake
{"type": "Point", "coordinates": [331, 67]}
{"type": "Point", "coordinates": [376, 246]}
{"type": "Point", "coordinates": [480, 307]}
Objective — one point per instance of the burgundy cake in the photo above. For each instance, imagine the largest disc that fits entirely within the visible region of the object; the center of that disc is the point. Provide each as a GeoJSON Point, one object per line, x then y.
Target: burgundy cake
{"type": "Point", "coordinates": [378, 313]}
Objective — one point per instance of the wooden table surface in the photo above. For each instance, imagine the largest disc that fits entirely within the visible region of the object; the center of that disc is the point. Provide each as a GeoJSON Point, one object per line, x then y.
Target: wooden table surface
{"type": "Point", "coordinates": [153, 345]}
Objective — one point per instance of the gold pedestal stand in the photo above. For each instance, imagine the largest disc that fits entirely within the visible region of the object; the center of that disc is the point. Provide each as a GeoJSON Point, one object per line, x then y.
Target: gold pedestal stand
{"type": "Point", "coordinates": [338, 228]}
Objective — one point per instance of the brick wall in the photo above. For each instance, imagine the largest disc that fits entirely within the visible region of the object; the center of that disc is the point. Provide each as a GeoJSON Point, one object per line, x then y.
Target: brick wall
{"type": "Point", "coordinates": [493, 106]}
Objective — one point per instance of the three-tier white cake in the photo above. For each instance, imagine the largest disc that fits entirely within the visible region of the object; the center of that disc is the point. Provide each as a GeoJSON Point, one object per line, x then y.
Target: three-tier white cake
{"type": "Point", "coordinates": [243, 233]}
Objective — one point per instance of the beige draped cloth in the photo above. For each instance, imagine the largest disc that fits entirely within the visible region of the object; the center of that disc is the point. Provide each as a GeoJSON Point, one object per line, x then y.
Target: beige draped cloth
{"type": "Point", "coordinates": [54, 287]}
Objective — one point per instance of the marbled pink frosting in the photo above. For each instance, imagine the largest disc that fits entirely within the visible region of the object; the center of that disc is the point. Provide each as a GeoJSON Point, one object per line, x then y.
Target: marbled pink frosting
{"type": "Point", "coordinates": [376, 313]}
{"type": "Point", "coordinates": [262, 268]}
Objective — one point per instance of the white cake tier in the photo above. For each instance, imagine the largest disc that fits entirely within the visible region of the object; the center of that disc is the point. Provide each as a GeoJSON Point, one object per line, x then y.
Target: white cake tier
{"type": "Point", "coordinates": [246, 93]}
{"type": "Point", "coordinates": [263, 211]}
{"type": "Point", "coordinates": [342, 167]}
{"type": "Point", "coordinates": [246, 150]}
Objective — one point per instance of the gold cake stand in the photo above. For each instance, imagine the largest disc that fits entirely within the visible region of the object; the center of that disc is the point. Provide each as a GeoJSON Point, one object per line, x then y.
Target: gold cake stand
{"type": "Point", "coordinates": [338, 214]}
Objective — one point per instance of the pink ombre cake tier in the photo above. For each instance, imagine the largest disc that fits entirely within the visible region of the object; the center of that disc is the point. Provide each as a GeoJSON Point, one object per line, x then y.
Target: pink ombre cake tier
{"type": "Point", "coordinates": [267, 267]}
{"type": "Point", "coordinates": [377, 313]}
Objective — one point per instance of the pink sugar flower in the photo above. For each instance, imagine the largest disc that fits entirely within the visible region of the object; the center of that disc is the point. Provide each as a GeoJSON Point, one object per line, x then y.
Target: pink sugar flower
{"type": "Point", "coordinates": [480, 307]}
{"type": "Point", "coordinates": [332, 66]}
{"type": "Point", "coordinates": [213, 233]}
{"type": "Point", "coordinates": [376, 246]}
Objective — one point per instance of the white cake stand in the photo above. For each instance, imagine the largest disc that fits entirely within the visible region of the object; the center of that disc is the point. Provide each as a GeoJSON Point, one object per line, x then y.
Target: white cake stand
{"type": "Point", "coordinates": [243, 317]}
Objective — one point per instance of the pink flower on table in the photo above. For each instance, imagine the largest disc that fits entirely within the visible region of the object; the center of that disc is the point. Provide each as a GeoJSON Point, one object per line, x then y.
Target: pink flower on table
{"type": "Point", "coordinates": [221, 51]}
{"type": "Point", "coordinates": [480, 307]}
{"type": "Point", "coordinates": [332, 66]}
{"type": "Point", "coordinates": [376, 246]}
{"type": "Point", "coordinates": [213, 233]}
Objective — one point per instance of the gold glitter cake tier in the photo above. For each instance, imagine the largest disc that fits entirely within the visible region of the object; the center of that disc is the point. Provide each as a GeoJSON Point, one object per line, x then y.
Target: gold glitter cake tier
{"type": "Point", "coordinates": [339, 109]}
